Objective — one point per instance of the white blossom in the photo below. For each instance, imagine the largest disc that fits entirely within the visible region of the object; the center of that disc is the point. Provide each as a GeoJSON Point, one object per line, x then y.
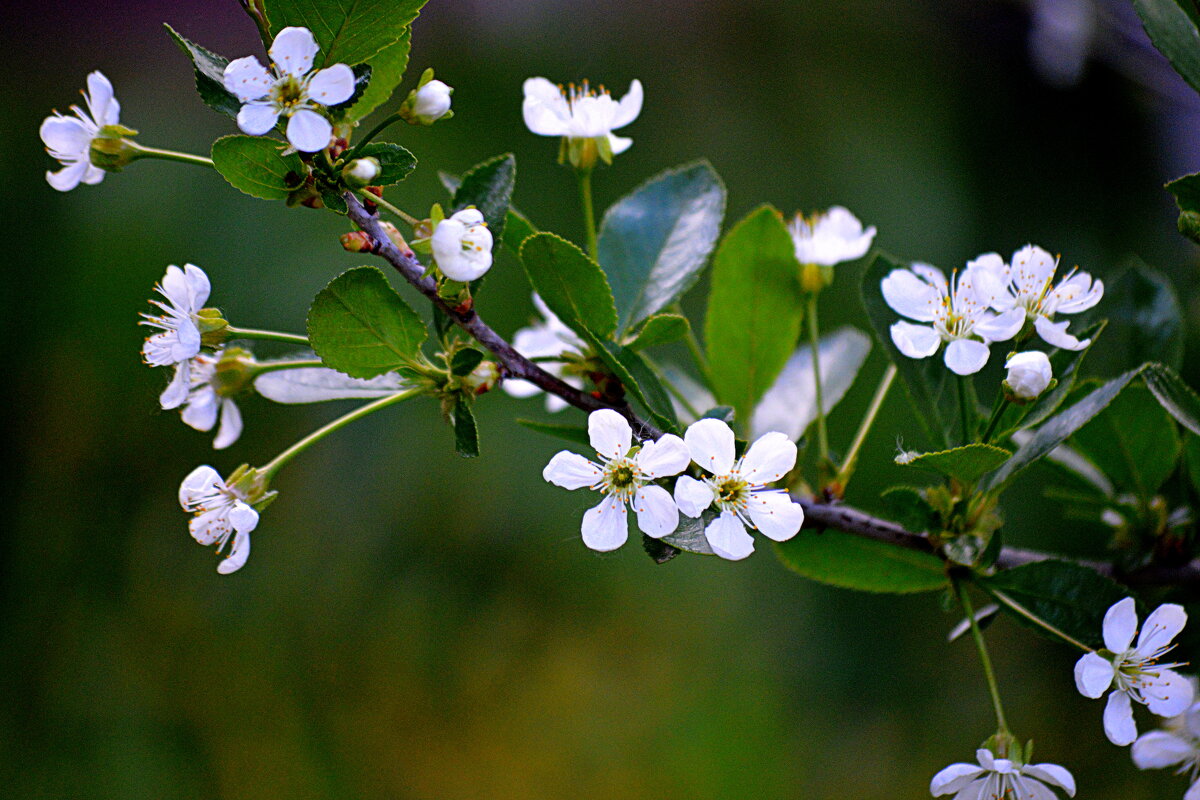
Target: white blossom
{"type": "Point", "coordinates": [1132, 672]}
{"type": "Point", "coordinates": [625, 479]}
{"type": "Point", "coordinates": [291, 89]}
{"type": "Point", "coordinates": [1028, 285]}
{"type": "Point", "coordinates": [1177, 745]}
{"type": "Point", "coordinates": [955, 312]}
{"type": "Point", "coordinates": [221, 516]}
{"type": "Point", "coordinates": [69, 139]}
{"type": "Point", "coordinates": [580, 112]}
{"type": "Point", "coordinates": [1029, 374]}
{"type": "Point", "coordinates": [737, 488]}
{"type": "Point", "coordinates": [830, 237]}
{"type": "Point", "coordinates": [431, 102]}
{"type": "Point", "coordinates": [205, 403]}
{"type": "Point", "coordinates": [548, 339]}
{"type": "Point", "coordinates": [462, 246]}
{"type": "Point", "coordinates": [1001, 779]}
{"type": "Point", "coordinates": [178, 342]}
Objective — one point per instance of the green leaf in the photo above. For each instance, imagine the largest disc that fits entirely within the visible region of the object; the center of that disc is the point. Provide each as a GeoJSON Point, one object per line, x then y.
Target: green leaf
{"type": "Point", "coordinates": [654, 242]}
{"type": "Point", "coordinates": [907, 506]}
{"type": "Point", "coordinates": [360, 326]}
{"type": "Point", "coordinates": [466, 434]}
{"type": "Point", "coordinates": [924, 379]}
{"type": "Point", "coordinates": [348, 31]}
{"type": "Point", "coordinates": [517, 227]}
{"type": "Point", "coordinates": [660, 329]}
{"type": "Point", "coordinates": [465, 360]}
{"type": "Point", "coordinates": [256, 165]}
{"type": "Point", "coordinates": [488, 186]}
{"type": "Point", "coordinates": [570, 283]}
{"type": "Point", "coordinates": [1187, 197]}
{"type": "Point", "coordinates": [1191, 457]}
{"type": "Point", "coordinates": [852, 562]}
{"type": "Point", "coordinates": [1174, 395]}
{"type": "Point", "coordinates": [387, 71]}
{"type": "Point", "coordinates": [689, 534]}
{"type": "Point", "coordinates": [362, 79]}
{"type": "Point", "coordinates": [395, 162]}
{"type": "Point", "coordinates": [1145, 318]}
{"type": "Point", "coordinates": [210, 75]}
{"type": "Point", "coordinates": [968, 463]}
{"type": "Point", "coordinates": [334, 201]}
{"type": "Point", "coordinates": [1133, 441]}
{"type": "Point", "coordinates": [1069, 596]}
{"type": "Point", "coordinates": [1172, 27]}
{"type": "Point", "coordinates": [637, 378]}
{"type": "Point", "coordinates": [754, 309]}
{"type": "Point", "coordinates": [571, 433]}
{"type": "Point", "coordinates": [1065, 366]}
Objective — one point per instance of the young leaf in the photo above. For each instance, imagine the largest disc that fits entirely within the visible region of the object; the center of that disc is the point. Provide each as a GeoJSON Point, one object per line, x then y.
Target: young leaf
{"type": "Point", "coordinates": [571, 433]}
{"type": "Point", "coordinates": [466, 434]}
{"type": "Point", "coordinates": [638, 379]}
{"type": "Point", "coordinates": [465, 360]}
{"type": "Point", "coordinates": [852, 562]}
{"type": "Point", "coordinates": [1145, 318]}
{"type": "Point", "coordinates": [488, 186]}
{"type": "Point", "coordinates": [318, 384]}
{"type": "Point", "coordinates": [660, 329]}
{"type": "Point", "coordinates": [907, 506]}
{"type": "Point", "coordinates": [256, 165]}
{"type": "Point", "coordinates": [387, 71]}
{"type": "Point", "coordinates": [395, 162]}
{"type": "Point", "coordinates": [210, 75]}
{"type": "Point", "coordinates": [570, 283]}
{"type": "Point", "coordinates": [1174, 395]}
{"type": "Point", "coordinates": [1069, 596]}
{"type": "Point", "coordinates": [655, 241]}
{"type": "Point", "coordinates": [689, 535]}
{"type": "Point", "coordinates": [754, 309]}
{"type": "Point", "coordinates": [1133, 441]}
{"type": "Point", "coordinates": [1172, 26]}
{"type": "Point", "coordinates": [348, 31]}
{"type": "Point", "coordinates": [360, 326]}
{"type": "Point", "coordinates": [968, 463]}
{"type": "Point", "coordinates": [1065, 365]}
{"type": "Point", "coordinates": [517, 227]}
{"type": "Point", "coordinates": [1187, 196]}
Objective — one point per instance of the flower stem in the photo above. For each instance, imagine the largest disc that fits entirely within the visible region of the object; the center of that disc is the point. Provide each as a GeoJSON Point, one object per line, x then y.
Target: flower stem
{"type": "Point", "coordinates": [997, 413]}
{"type": "Point", "coordinates": [378, 129]}
{"type": "Point", "coordinates": [1036, 620]}
{"type": "Point", "coordinates": [379, 201]}
{"type": "Point", "coordinates": [271, 336]}
{"type": "Point", "coordinates": [264, 367]}
{"type": "Point", "coordinates": [814, 338]}
{"type": "Point", "coordinates": [981, 646]}
{"type": "Point", "coordinates": [589, 213]}
{"type": "Point", "coordinates": [693, 346]}
{"type": "Point", "coordinates": [170, 155]}
{"type": "Point", "coordinates": [864, 427]}
{"type": "Point", "coordinates": [268, 471]}
{"type": "Point", "coordinates": [963, 408]}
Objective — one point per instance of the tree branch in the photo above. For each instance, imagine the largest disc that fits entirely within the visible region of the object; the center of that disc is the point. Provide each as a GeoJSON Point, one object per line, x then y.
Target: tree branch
{"type": "Point", "coordinates": [511, 362]}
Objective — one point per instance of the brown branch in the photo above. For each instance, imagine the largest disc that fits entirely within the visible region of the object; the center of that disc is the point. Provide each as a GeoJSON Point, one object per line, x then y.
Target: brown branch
{"type": "Point", "coordinates": [511, 362]}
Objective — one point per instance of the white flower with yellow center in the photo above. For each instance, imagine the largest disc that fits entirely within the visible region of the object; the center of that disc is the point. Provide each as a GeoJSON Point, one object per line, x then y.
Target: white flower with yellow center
{"type": "Point", "coordinates": [205, 403]}
{"type": "Point", "coordinates": [830, 237]}
{"type": "Point", "coordinates": [579, 113]}
{"type": "Point", "coordinates": [221, 516]}
{"type": "Point", "coordinates": [737, 488]}
{"type": "Point", "coordinates": [69, 139]}
{"type": "Point", "coordinates": [178, 342]}
{"type": "Point", "coordinates": [462, 246]}
{"type": "Point", "coordinates": [292, 90]}
{"type": "Point", "coordinates": [549, 339]}
{"type": "Point", "coordinates": [1001, 779]}
{"type": "Point", "coordinates": [625, 477]}
{"type": "Point", "coordinates": [1132, 672]}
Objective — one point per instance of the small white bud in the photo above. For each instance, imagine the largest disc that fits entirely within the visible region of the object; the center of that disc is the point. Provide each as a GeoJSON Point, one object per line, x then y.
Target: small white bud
{"type": "Point", "coordinates": [462, 246]}
{"type": "Point", "coordinates": [1029, 374]}
{"type": "Point", "coordinates": [361, 172]}
{"type": "Point", "coordinates": [431, 102]}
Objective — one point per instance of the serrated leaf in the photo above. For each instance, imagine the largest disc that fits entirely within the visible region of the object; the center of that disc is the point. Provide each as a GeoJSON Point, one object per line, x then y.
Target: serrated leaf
{"type": "Point", "coordinates": [1145, 318]}
{"type": "Point", "coordinates": [210, 75]}
{"type": "Point", "coordinates": [465, 360]}
{"type": "Point", "coordinates": [906, 505]}
{"type": "Point", "coordinates": [1071, 597]}
{"type": "Point", "coordinates": [967, 463]}
{"type": "Point", "coordinates": [654, 242]}
{"type": "Point", "coordinates": [387, 71]}
{"type": "Point", "coordinates": [660, 329]}
{"type": "Point", "coordinates": [488, 186]}
{"type": "Point", "coordinates": [466, 433]}
{"type": "Point", "coordinates": [570, 283]}
{"type": "Point", "coordinates": [1133, 441]}
{"type": "Point", "coordinates": [852, 562]}
{"type": "Point", "coordinates": [517, 227]}
{"type": "Point", "coordinates": [395, 162]}
{"type": "Point", "coordinates": [256, 166]}
{"type": "Point", "coordinates": [1174, 395]}
{"type": "Point", "coordinates": [360, 326]}
{"type": "Point", "coordinates": [754, 309]}
{"type": "Point", "coordinates": [571, 433]}
{"type": "Point", "coordinates": [638, 379]}
{"type": "Point", "coordinates": [319, 384]}
{"type": "Point", "coordinates": [1172, 26]}
{"type": "Point", "coordinates": [348, 31]}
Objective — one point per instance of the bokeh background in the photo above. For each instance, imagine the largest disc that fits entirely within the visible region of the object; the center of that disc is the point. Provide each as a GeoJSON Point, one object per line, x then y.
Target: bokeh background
{"type": "Point", "coordinates": [412, 625]}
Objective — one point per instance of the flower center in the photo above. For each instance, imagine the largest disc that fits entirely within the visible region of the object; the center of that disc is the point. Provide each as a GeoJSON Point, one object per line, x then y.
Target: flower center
{"type": "Point", "coordinates": [289, 94]}
{"type": "Point", "coordinates": [622, 478]}
{"type": "Point", "coordinates": [730, 492]}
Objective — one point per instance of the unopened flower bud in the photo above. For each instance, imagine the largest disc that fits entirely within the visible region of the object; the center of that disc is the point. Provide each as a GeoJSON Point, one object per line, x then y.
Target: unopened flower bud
{"type": "Point", "coordinates": [361, 172]}
{"type": "Point", "coordinates": [358, 242]}
{"type": "Point", "coordinates": [1029, 374]}
{"type": "Point", "coordinates": [462, 246]}
{"type": "Point", "coordinates": [429, 102]}
{"type": "Point", "coordinates": [483, 377]}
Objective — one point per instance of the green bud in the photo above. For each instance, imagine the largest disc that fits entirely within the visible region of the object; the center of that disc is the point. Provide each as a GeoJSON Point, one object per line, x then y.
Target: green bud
{"type": "Point", "coordinates": [235, 372]}
{"type": "Point", "coordinates": [212, 327]}
{"type": "Point", "coordinates": [111, 150]}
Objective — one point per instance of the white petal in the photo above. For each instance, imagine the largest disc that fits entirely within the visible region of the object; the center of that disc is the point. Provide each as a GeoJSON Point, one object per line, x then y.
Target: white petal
{"type": "Point", "coordinates": [668, 456]}
{"type": "Point", "coordinates": [176, 392]}
{"type": "Point", "coordinates": [520, 389]}
{"type": "Point", "coordinates": [915, 341]}
{"type": "Point", "coordinates": [1093, 675]}
{"type": "Point", "coordinates": [202, 481]}
{"type": "Point", "coordinates": [1169, 694]}
{"type": "Point", "coordinates": [910, 296]}
{"type": "Point", "coordinates": [318, 384]}
{"type": "Point", "coordinates": [308, 131]}
{"type": "Point", "coordinates": [953, 778]}
{"type": "Point", "coordinates": [198, 286]}
{"type": "Point", "coordinates": [989, 275]}
{"type": "Point", "coordinates": [657, 513]}
{"type": "Point", "coordinates": [571, 471]}
{"type": "Point", "coordinates": [1120, 624]}
{"type": "Point", "coordinates": [775, 514]}
{"type": "Point", "coordinates": [257, 118]}
{"type": "Point", "coordinates": [629, 107]}
{"type": "Point", "coordinates": [1052, 774]}
{"type": "Point", "coordinates": [237, 554]}
{"type": "Point", "coordinates": [293, 51]}
{"type": "Point", "coordinates": [1028, 788]}
{"type": "Point", "coordinates": [243, 518]}
{"type": "Point", "coordinates": [728, 538]}
{"type": "Point", "coordinates": [201, 411]}
{"type": "Point", "coordinates": [1159, 749]}
{"type": "Point", "coordinates": [985, 758]}
{"type": "Point", "coordinates": [605, 527]}
{"type": "Point", "coordinates": [100, 101]}
{"type": "Point", "coordinates": [66, 136]}
{"type": "Point", "coordinates": [69, 177]}
{"type": "Point", "coordinates": [1119, 726]}
{"type": "Point", "coordinates": [1032, 267]}
{"type": "Point", "coordinates": [712, 445]}
{"type": "Point", "coordinates": [769, 459]}
{"type": "Point", "coordinates": [1055, 333]}
{"type": "Point", "coordinates": [966, 357]}
{"type": "Point", "coordinates": [545, 109]}
{"type": "Point", "coordinates": [1193, 792]}
{"type": "Point", "coordinates": [609, 433]}
{"type": "Point", "coordinates": [1001, 327]}
{"type": "Point", "coordinates": [692, 496]}
{"type": "Point", "coordinates": [332, 85]}
{"type": "Point", "coordinates": [619, 144]}
{"type": "Point", "coordinates": [246, 79]}
{"type": "Point", "coordinates": [1078, 293]}
{"type": "Point", "coordinates": [1161, 627]}
{"type": "Point", "coordinates": [231, 425]}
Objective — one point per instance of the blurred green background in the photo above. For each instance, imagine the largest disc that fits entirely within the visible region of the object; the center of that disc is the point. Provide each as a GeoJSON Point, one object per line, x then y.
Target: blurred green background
{"type": "Point", "coordinates": [412, 625]}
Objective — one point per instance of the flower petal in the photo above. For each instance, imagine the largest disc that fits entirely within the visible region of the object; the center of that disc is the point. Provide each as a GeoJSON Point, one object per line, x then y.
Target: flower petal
{"type": "Point", "coordinates": [657, 513]}
{"type": "Point", "coordinates": [1167, 694]}
{"type": "Point", "coordinates": [257, 118]}
{"type": "Point", "coordinates": [332, 85]}
{"type": "Point", "coordinates": [775, 514]}
{"type": "Point", "coordinates": [308, 131]}
{"type": "Point", "coordinates": [1119, 726]}
{"type": "Point", "coordinates": [1159, 749]}
{"type": "Point", "coordinates": [1001, 327]}
{"type": "Point", "coordinates": [1055, 333]}
{"type": "Point", "coordinates": [1031, 268]}
{"type": "Point", "coordinates": [728, 538]}
{"type": "Point", "coordinates": [1077, 293]}
{"type": "Point", "coordinates": [1193, 792]}
{"type": "Point", "coordinates": [966, 357]}
{"type": "Point", "coordinates": [711, 443]}
{"type": "Point", "coordinates": [668, 456]}
{"type": "Point", "coordinates": [629, 107]}
{"type": "Point", "coordinates": [200, 482]}
{"type": "Point", "coordinates": [1120, 624]}
{"type": "Point", "coordinates": [201, 410]}
{"type": "Point", "coordinates": [66, 136]}
{"type": "Point", "coordinates": [692, 496]}
{"type": "Point", "coordinates": [911, 296]}
{"type": "Point", "coordinates": [1052, 774]}
{"type": "Point", "coordinates": [571, 471]}
{"type": "Point", "coordinates": [231, 425]}
{"type": "Point", "coordinates": [198, 287]}
{"type": "Point", "coordinates": [609, 433]}
{"type": "Point", "coordinates": [69, 177]}
{"type": "Point", "coordinates": [176, 392]}
{"type": "Point", "coordinates": [1160, 629]}
{"type": "Point", "coordinates": [545, 109]}
{"type": "Point", "coordinates": [293, 51]}
{"type": "Point", "coordinates": [915, 341]}
{"type": "Point", "coordinates": [953, 779]}
{"type": "Point", "coordinates": [770, 458]}
{"type": "Point", "coordinates": [619, 144]}
{"type": "Point", "coordinates": [605, 526]}
{"type": "Point", "coordinates": [1093, 675]}
{"type": "Point", "coordinates": [238, 553]}
{"type": "Point", "coordinates": [246, 79]}
{"type": "Point", "coordinates": [100, 101]}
